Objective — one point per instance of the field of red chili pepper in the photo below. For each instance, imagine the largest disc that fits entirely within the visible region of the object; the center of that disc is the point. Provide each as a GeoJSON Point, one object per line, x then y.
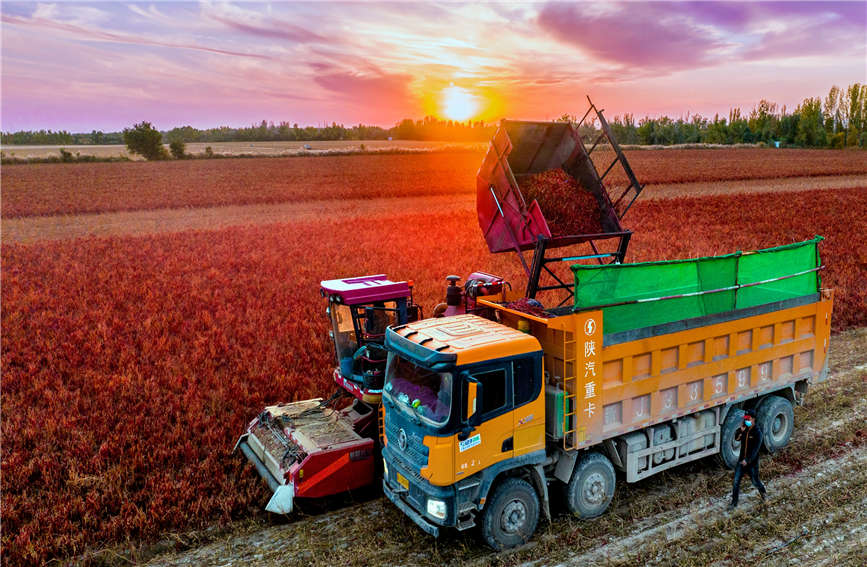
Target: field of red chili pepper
{"type": "Point", "coordinates": [50, 189]}
{"type": "Point", "coordinates": [131, 364]}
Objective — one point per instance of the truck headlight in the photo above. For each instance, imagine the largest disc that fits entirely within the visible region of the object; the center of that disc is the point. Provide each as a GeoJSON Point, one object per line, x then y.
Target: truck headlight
{"type": "Point", "coordinates": [436, 508]}
{"type": "Point", "coordinates": [385, 469]}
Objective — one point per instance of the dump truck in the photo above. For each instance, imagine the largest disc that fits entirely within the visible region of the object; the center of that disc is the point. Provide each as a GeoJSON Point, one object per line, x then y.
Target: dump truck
{"type": "Point", "coordinates": [651, 367]}
{"type": "Point", "coordinates": [493, 411]}
{"type": "Point", "coordinates": [321, 447]}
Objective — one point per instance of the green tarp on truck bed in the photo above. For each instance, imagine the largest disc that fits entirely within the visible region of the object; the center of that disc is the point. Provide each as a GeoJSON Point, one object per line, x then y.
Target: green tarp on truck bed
{"type": "Point", "coordinates": [639, 295]}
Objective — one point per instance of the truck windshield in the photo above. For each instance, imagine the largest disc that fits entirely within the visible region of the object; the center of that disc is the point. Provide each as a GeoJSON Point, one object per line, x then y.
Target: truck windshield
{"type": "Point", "coordinates": [421, 391]}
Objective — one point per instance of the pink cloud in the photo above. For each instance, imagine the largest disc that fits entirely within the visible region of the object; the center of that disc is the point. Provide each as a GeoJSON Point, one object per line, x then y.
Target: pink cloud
{"type": "Point", "coordinates": [279, 30]}
{"type": "Point", "coordinates": [368, 89]}
{"type": "Point", "coordinates": [649, 35]}
{"type": "Point", "coordinates": [671, 36]}
{"type": "Point", "coordinates": [100, 35]}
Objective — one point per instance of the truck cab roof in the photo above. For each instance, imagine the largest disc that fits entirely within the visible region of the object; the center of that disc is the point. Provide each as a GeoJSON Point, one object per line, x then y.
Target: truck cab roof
{"type": "Point", "coordinates": [460, 339]}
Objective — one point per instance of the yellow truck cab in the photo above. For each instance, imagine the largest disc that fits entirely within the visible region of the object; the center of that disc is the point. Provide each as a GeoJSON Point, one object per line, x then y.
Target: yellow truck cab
{"type": "Point", "coordinates": [463, 402]}
{"type": "Point", "coordinates": [482, 416]}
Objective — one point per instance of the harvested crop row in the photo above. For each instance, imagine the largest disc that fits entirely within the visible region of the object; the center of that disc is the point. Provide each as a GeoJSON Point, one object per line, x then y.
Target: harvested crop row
{"type": "Point", "coordinates": [50, 189]}
{"type": "Point", "coordinates": [130, 365]}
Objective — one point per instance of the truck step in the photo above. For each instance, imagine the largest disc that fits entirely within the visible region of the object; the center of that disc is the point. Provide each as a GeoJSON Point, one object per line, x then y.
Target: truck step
{"type": "Point", "coordinates": [466, 522]}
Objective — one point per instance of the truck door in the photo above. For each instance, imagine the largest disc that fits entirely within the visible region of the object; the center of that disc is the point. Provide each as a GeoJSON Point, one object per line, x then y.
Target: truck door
{"type": "Point", "coordinates": [529, 413]}
{"type": "Point", "coordinates": [493, 439]}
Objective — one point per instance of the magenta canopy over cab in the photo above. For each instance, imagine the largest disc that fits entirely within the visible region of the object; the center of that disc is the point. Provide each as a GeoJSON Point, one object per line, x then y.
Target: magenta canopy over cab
{"type": "Point", "coordinates": [365, 289]}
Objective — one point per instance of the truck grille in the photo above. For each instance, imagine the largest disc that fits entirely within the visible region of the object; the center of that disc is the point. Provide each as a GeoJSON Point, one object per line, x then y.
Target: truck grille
{"type": "Point", "coordinates": [415, 453]}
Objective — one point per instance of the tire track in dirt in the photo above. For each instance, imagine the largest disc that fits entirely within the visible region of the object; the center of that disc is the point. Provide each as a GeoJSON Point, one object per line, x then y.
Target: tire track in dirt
{"type": "Point", "coordinates": [650, 542]}
{"type": "Point", "coordinates": [673, 518]}
{"type": "Point", "coordinates": [155, 221]}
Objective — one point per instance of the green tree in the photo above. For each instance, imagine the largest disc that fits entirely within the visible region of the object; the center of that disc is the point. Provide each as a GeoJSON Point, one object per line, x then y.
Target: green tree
{"type": "Point", "coordinates": [833, 117]}
{"type": "Point", "coordinates": [717, 131]}
{"type": "Point", "coordinates": [624, 129]}
{"type": "Point", "coordinates": [178, 149]}
{"type": "Point", "coordinates": [739, 129]}
{"type": "Point", "coordinates": [764, 122]}
{"type": "Point", "coordinates": [145, 140]}
{"type": "Point", "coordinates": [811, 131]}
{"type": "Point", "coordinates": [856, 113]}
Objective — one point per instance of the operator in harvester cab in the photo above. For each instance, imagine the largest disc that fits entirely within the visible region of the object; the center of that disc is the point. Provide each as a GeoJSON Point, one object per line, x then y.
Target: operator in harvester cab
{"type": "Point", "coordinates": [750, 436]}
{"type": "Point", "coordinates": [376, 321]}
{"type": "Point", "coordinates": [369, 360]}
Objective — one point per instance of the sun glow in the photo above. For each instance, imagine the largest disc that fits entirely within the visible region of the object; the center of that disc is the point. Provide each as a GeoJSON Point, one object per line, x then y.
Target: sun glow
{"type": "Point", "coordinates": [458, 103]}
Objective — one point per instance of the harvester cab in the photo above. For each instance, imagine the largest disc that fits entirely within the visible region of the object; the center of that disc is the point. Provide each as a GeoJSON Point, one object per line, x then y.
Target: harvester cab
{"type": "Point", "coordinates": [360, 310]}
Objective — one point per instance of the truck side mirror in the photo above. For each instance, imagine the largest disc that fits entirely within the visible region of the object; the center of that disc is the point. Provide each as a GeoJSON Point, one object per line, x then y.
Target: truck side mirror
{"type": "Point", "coordinates": [473, 400]}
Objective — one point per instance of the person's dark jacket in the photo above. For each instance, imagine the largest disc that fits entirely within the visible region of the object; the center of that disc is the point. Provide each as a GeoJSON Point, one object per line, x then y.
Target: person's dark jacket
{"type": "Point", "coordinates": [751, 442]}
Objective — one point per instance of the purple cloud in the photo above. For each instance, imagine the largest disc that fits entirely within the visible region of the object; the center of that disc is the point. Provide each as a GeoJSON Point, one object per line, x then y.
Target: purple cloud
{"type": "Point", "coordinates": [741, 16]}
{"type": "Point", "coordinates": [651, 35]}
{"type": "Point", "coordinates": [100, 35]}
{"type": "Point", "coordinates": [811, 28]}
{"type": "Point", "coordinates": [280, 30]}
{"type": "Point", "coordinates": [684, 35]}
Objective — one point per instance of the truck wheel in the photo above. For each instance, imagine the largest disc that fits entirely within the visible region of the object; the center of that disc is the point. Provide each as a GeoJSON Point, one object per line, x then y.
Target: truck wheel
{"type": "Point", "coordinates": [511, 515]}
{"type": "Point", "coordinates": [591, 488]}
{"type": "Point", "coordinates": [730, 449]}
{"type": "Point", "coordinates": [777, 420]}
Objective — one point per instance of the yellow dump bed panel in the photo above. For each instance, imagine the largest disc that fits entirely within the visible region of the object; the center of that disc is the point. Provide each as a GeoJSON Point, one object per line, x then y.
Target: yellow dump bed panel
{"type": "Point", "coordinates": [612, 390]}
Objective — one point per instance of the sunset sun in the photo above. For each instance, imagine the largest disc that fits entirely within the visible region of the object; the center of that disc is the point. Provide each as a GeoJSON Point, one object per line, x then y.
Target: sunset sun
{"type": "Point", "coordinates": [458, 103]}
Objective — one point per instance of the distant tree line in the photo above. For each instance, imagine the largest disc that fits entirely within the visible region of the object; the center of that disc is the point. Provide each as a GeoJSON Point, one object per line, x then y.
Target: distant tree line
{"type": "Point", "coordinates": [59, 138]}
{"type": "Point", "coordinates": [429, 128]}
{"type": "Point", "coordinates": [838, 121]}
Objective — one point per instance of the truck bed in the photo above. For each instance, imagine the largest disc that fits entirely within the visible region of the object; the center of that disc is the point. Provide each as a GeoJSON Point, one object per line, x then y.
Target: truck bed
{"type": "Point", "coordinates": [623, 382]}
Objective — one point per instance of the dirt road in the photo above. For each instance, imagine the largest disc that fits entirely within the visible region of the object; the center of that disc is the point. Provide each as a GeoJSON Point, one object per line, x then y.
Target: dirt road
{"type": "Point", "coordinates": [817, 514]}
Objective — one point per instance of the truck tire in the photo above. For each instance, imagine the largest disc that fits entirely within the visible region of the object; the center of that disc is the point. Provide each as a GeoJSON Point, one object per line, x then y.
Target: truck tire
{"type": "Point", "coordinates": [777, 420]}
{"type": "Point", "coordinates": [591, 487]}
{"type": "Point", "coordinates": [511, 515]}
{"type": "Point", "coordinates": [729, 449]}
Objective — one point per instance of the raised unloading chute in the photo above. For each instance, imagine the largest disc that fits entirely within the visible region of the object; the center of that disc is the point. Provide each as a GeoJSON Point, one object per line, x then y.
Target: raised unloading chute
{"type": "Point", "coordinates": [511, 220]}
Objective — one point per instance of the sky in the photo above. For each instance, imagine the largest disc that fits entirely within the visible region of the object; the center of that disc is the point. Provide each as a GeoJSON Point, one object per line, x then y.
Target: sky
{"type": "Point", "coordinates": [105, 65]}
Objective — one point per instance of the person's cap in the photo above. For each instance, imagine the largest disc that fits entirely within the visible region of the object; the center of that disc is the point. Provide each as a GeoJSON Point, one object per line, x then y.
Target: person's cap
{"type": "Point", "coordinates": [749, 413]}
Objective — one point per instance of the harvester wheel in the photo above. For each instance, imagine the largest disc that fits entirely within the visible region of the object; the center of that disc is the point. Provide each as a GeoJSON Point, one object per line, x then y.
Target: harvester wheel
{"type": "Point", "coordinates": [777, 420]}
{"type": "Point", "coordinates": [730, 449]}
{"type": "Point", "coordinates": [511, 515]}
{"type": "Point", "coordinates": [591, 488]}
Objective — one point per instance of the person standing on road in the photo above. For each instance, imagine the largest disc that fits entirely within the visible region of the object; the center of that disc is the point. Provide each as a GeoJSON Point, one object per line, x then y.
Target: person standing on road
{"type": "Point", "coordinates": [750, 436]}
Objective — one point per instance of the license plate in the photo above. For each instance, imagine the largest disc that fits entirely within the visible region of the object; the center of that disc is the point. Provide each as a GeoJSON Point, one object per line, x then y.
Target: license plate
{"type": "Point", "coordinates": [401, 480]}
